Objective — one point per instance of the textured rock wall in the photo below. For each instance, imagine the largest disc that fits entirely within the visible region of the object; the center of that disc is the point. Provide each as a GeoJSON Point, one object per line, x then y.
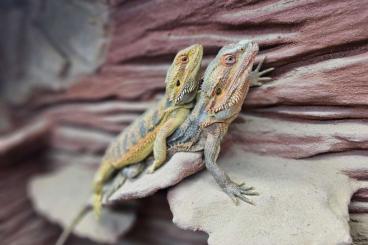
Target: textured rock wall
{"type": "Point", "coordinates": [316, 104]}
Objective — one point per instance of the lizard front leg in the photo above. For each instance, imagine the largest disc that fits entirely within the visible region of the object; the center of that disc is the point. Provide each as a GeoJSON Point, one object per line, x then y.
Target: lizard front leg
{"type": "Point", "coordinates": [181, 134]}
{"type": "Point", "coordinates": [255, 76]}
{"type": "Point", "coordinates": [211, 152]}
{"type": "Point", "coordinates": [159, 145]}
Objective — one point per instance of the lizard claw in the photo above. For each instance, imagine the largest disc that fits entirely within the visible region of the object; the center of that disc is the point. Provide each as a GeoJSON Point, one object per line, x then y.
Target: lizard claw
{"type": "Point", "coordinates": [258, 68]}
{"type": "Point", "coordinates": [151, 169]}
{"type": "Point", "coordinates": [255, 76]}
{"type": "Point", "coordinates": [266, 71]}
{"type": "Point", "coordinates": [239, 191]}
{"type": "Point", "coordinates": [155, 165]}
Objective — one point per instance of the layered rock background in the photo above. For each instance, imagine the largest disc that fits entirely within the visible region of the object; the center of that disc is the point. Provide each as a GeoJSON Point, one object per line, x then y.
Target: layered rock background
{"type": "Point", "coordinates": [74, 74]}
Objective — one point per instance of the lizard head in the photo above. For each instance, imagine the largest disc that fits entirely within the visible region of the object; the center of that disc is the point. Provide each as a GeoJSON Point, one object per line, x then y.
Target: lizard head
{"type": "Point", "coordinates": [181, 79]}
{"type": "Point", "coordinates": [225, 80]}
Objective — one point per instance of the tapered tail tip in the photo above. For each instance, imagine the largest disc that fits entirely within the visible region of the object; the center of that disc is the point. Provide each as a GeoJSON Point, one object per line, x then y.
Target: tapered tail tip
{"type": "Point", "coordinates": [97, 205]}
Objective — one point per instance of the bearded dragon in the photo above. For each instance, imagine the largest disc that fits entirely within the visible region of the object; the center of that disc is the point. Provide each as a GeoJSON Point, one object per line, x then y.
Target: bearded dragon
{"type": "Point", "coordinates": [226, 83]}
{"type": "Point", "coordinates": [148, 132]}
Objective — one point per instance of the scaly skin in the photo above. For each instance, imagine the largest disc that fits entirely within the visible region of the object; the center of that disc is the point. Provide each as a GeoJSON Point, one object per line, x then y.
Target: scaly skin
{"type": "Point", "coordinates": [149, 132]}
{"type": "Point", "coordinates": [226, 83]}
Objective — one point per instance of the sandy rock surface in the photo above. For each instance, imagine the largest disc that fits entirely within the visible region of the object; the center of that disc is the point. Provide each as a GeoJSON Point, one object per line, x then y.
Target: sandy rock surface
{"type": "Point", "coordinates": [59, 196]}
{"type": "Point", "coordinates": [177, 168]}
{"type": "Point", "coordinates": [300, 201]}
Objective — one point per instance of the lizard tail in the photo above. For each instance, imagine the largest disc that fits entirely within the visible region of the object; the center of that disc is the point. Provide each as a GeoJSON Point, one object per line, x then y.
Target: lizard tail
{"type": "Point", "coordinates": [68, 230]}
{"type": "Point", "coordinates": [103, 174]}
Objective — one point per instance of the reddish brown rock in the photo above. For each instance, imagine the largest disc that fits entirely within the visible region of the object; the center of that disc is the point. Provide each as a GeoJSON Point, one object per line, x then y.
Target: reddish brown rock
{"type": "Point", "coordinates": [21, 142]}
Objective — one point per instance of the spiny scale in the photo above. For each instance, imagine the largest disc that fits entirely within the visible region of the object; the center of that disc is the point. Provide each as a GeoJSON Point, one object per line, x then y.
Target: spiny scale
{"type": "Point", "coordinates": [135, 143]}
{"type": "Point", "coordinates": [131, 140]}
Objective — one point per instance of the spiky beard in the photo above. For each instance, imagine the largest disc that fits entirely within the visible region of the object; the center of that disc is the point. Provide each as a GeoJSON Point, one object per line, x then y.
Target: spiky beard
{"type": "Point", "coordinates": [235, 98]}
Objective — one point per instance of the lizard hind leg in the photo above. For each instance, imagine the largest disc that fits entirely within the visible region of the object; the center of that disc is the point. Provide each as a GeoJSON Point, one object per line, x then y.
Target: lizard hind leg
{"type": "Point", "coordinates": [128, 172]}
{"type": "Point", "coordinates": [132, 171]}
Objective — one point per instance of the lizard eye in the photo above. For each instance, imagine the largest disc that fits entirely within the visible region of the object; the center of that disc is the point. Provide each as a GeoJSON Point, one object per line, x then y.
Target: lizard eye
{"type": "Point", "coordinates": [184, 59]}
{"type": "Point", "coordinates": [177, 83]}
{"type": "Point", "coordinates": [218, 91]}
{"type": "Point", "coordinates": [229, 59]}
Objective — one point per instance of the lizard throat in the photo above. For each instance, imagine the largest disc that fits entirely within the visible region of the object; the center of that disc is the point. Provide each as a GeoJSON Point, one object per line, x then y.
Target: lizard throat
{"type": "Point", "coordinates": [186, 90]}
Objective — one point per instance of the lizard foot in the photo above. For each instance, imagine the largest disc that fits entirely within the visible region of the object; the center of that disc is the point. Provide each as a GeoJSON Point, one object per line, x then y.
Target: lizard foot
{"type": "Point", "coordinates": [255, 76]}
{"type": "Point", "coordinates": [155, 165]}
{"type": "Point", "coordinates": [129, 172]}
{"type": "Point", "coordinates": [239, 191]}
{"type": "Point", "coordinates": [133, 171]}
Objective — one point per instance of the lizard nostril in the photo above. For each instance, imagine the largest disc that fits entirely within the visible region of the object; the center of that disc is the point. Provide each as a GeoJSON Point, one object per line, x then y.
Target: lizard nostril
{"type": "Point", "coordinates": [178, 83]}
